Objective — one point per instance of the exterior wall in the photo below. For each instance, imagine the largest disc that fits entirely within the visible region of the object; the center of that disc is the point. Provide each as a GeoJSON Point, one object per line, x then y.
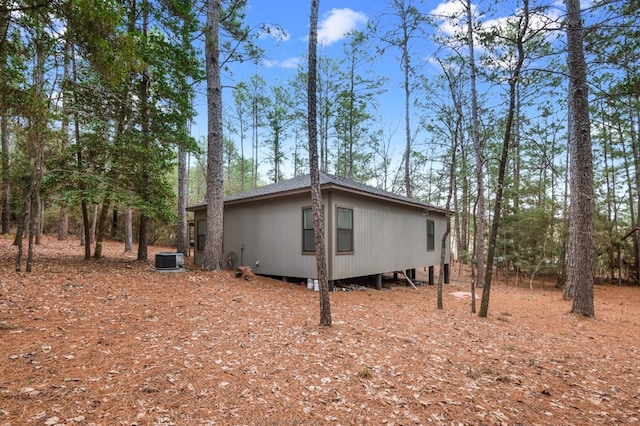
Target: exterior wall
{"type": "Point", "coordinates": [268, 232]}
{"type": "Point", "coordinates": [387, 236]}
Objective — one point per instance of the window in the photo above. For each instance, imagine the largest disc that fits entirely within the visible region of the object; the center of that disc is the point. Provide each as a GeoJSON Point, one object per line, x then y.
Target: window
{"type": "Point", "coordinates": [345, 230]}
{"type": "Point", "coordinates": [308, 240]}
{"type": "Point", "coordinates": [202, 234]}
{"type": "Point", "coordinates": [431, 235]}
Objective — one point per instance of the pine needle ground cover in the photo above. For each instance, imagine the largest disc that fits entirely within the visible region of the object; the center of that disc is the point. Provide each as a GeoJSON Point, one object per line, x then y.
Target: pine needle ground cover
{"type": "Point", "coordinates": [113, 342]}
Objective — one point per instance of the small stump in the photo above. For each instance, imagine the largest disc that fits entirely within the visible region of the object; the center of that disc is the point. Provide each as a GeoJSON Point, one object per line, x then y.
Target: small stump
{"type": "Point", "coordinates": [245, 272]}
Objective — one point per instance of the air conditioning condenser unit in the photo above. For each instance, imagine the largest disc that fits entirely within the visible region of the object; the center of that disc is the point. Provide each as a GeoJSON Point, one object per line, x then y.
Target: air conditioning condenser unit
{"type": "Point", "coordinates": [167, 261]}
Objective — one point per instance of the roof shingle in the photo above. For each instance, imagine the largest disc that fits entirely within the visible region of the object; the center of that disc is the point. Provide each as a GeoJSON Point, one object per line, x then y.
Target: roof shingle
{"type": "Point", "coordinates": [326, 180]}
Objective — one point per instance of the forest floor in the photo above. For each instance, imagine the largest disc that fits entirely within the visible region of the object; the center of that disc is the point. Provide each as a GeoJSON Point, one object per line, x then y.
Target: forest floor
{"type": "Point", "coordinates": [113, 342]}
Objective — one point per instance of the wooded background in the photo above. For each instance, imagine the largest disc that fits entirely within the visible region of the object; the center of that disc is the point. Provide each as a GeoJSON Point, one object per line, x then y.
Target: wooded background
{"type": "Point", "coordinates": [96, 104]}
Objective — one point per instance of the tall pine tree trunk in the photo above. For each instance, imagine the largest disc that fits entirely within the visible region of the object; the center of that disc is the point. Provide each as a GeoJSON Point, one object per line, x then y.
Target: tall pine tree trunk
{"type": "Point", "coordinates": [254, 141]}
{"type": "Point", "coordinates": [580, 280]}
{"type": "Point", "coordinates": [316, 195]}
{"type": "Point", "coordinates": [63, 223]}
{"type": "Point", "coordinates": [36, 135]}
{"type": "Point", "coordinates": [94, 224]}
{"type": "Point", "coordinates": [5, 219]}
{"type": "Point", "coordinates": [447, 231]}
{"type": "Point", "coordinates": [455, 139]}
{"type": "Point", "coordinates": [478, 267]}
{"type": "Point", "coordinates": [86, 231]}
{"type": "Point", "coordinates": [183, 225]}
{"type": "Point", "coordinates": [86, 227]}
{"type": "Point", "coordinates": [145, 83]}
{"type": "Point", "coordinates": [506, 142]}
{"type": "Point", "coordinates": [212, 257]}
{"type": "Point", "coordinates": [128, 230]}
{"type": "Point", "coordinates": [564, 233]}
{"type": "Point", "coordinates": [635, 149]}
{"type": "Point", "coordinates": [407, 123]}
{"type": "Point", "coordinates": [6, 189]}
{"type": "Point", "coordinates": [63, 214]}
{"type": "Point", "coordinates": [22, 223]}
{"type": "Point", "coordinates": [102, 228]}
{"type": "Point", "coordinates": [182, 245]}
{"type": "Point", "coordinates": [143, 230]}
{"type": "Point", "coordinates": [38, 217]}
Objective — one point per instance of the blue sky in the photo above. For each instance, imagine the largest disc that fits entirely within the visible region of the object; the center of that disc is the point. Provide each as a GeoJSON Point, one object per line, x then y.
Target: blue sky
{"type": "Point", "coordinates": [283, 52]}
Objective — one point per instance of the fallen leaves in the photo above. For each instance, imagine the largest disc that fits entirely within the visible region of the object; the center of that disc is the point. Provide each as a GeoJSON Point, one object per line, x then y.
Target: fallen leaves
{"type": "Point", "coordinates": [114, 342]}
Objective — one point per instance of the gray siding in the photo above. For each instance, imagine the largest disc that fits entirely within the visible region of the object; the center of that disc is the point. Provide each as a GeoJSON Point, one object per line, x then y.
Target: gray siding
{"type": "Point", "coordinates": [388, 236]}
{"type": "Point", "coordinates": [271, 234]}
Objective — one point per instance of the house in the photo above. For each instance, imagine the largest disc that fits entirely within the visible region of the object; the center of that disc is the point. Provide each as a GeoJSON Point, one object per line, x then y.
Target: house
{"type": "Point", "coordinates": [368, 231]}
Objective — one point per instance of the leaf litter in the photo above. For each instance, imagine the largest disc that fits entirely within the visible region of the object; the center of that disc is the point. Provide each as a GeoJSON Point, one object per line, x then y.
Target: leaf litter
{"type": "Point", "coordinates": [113, 342]}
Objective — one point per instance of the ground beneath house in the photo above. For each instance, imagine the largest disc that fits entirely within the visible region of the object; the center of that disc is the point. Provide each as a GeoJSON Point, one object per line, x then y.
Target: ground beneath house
{"type": "Point", "coordinates": [113, 342]}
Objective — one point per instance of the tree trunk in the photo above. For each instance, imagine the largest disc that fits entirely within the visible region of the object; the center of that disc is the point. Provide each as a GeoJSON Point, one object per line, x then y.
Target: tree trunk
{"type": "Point", "coordinates": [215, 208]}
{"type": "Point", "coordinates": [37, 218]}
{"type": "Point", "coordinates": [580, 279]}
{"type": "Point", "coordinates": [63, 214]}
{"type": "Point", "coordinates": [30, 240]}
{"type": "Point", "coordinates": [464, 212]}
{"type": "Point", "coordinates": [5, 219]}
{"type": "Point", "coordinates": [564, 234]}
{"type": "Point", "coordinates": [407, 125]}
{"type": "Point", "coordinates": [102, 228]}
{"type": "Point", "coordinates": [479, 156]}
{"type": "Point", "coordinates": [94, 225]}
{"type": "Point", "coordinates": [506, 142]}
{"type": "Point", "coordinates": [145, 83]}
{"type": "Point", "coordinates": [636, 220]}
{"type": "Point", "coordinates": [608, 155]}
{"type": "Point", "coordinates": [455, 138]}
{"type": "Point", "coordinates": [6, 189]}
{"type": "Point", "coordinates": [316, 195]}
{"type": "Point", "coordinates": [143, 230]}
{"type": "Point", "coordinates": [183, 225]}
{"type": "Point", "coordinates": [63, 223]}
{"type": "Point", "coordinates": [128, 230]}
{"type": "Point", "coordinates": [254, 142]}
{"type": "Point", "coordinates": [85, 236]}
{"type": "Point", "coordinates": [35, 137]}
{"type": "Point", "coordinates": [114, 222]}
{"type": "Point", "coordinates": [630, 194]}
{"type": "Point", "coordinates": [447, 232]}
{"type": "Point", "coordinates": [23, 223]}
{"type": "Point", "coordinates": [86, 231]}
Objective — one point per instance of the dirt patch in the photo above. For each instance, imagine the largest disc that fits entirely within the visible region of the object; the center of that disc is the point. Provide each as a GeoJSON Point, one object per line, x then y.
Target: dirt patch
{"type": "Point", "coordinates": [112, 342]}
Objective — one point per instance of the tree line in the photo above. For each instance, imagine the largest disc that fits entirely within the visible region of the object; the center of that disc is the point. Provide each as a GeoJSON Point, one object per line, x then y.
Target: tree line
{"type": "Point", "coordinates": [96, 102]}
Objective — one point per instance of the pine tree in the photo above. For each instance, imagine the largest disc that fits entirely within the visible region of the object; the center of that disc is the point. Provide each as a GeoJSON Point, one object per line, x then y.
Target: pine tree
{"type": "Point", "coordinates": [213, 243]}
{"type": "Point", "coordinates": [316, 195]}
{"type": "Point", "coordinates": [580, 277]}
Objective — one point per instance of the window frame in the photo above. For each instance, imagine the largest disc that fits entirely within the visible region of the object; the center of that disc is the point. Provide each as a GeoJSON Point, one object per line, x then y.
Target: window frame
{"type": "Point", "coordinates": [351, 249]}
{"type": "Point", "coordinates": [431, 235]}
{"type": "Point", "coordinates": [305, 231]}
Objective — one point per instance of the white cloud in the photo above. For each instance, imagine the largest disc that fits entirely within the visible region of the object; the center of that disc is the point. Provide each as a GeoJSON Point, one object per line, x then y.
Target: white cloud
{"type": "Point", "coordinates": [452, 17]}
{"type": "Point", "coordinates": [290, 63]}
{"type": "Point", "coordinates": [337, 23]}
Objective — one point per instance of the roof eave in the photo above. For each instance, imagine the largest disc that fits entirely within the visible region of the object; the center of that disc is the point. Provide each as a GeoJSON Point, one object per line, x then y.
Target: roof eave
{"type": "Point", "coordinates": [329, 186]}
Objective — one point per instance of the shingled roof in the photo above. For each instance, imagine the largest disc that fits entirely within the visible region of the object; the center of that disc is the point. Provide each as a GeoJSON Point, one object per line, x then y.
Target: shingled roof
{"type": "Point", "coordinates": [302, 183]}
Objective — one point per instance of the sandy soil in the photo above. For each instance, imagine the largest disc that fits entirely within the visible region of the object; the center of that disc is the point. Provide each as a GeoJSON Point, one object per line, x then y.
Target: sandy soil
{"type": "Point", "coordinates": [113, 342]}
